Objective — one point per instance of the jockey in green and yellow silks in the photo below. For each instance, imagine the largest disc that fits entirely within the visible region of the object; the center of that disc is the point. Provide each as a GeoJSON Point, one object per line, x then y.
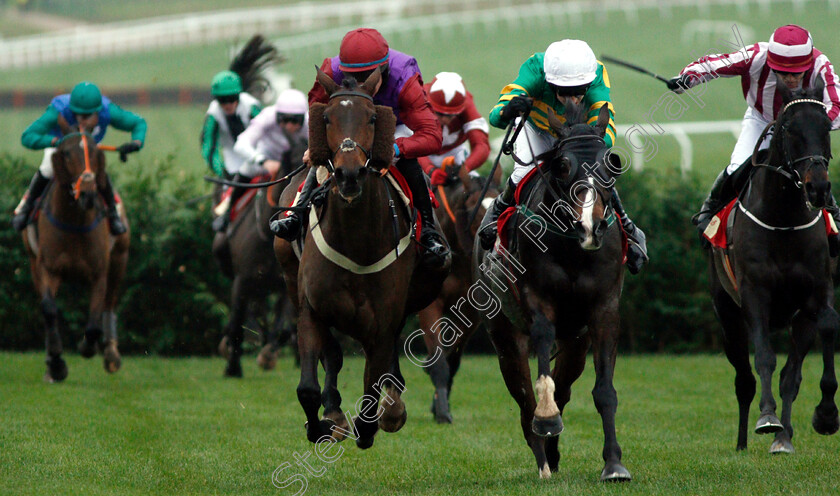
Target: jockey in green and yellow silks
{"type": "Point", "coordinates": [566, 73]}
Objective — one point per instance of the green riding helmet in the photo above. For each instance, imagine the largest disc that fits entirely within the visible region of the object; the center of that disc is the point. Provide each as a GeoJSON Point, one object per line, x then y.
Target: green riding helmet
{"type": "Point", "coordinates": [85, 98]}
{"type": "Point", "coordinates": [226, 83]}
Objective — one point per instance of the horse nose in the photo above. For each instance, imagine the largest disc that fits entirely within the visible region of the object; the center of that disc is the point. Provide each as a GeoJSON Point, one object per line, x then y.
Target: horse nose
{"type": "Point", "coordinates": [818, 193]}
{"type": "Point", "coordinates": [601, 229]}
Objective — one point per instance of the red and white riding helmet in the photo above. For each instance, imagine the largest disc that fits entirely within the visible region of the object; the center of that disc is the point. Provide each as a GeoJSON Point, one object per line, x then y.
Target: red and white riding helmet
{"type": "Point", "coordinates": [791, 49]}
{"type": "Point", "coordinates": [362, 49]}
{"type": "Point", "coordinates": [447, 93]}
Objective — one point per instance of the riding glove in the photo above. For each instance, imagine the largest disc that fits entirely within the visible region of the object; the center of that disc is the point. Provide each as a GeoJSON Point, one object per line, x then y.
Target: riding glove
{"type": "Point", "coordinates": [517, 106]}
{"type": "Point", "coordinates": [127, 148]}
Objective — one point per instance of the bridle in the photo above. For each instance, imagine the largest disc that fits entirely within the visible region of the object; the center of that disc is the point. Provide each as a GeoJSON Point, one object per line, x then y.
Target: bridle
{"type": "Point", "coordinates": [348, 144]}
{"type": "Point", "coordinates": [76, 184]}
{"type": "Point", "coordinates": [788, 169]}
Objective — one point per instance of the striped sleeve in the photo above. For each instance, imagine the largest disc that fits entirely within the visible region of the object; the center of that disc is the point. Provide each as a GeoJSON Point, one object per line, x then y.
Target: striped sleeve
{"type": "Point", "coordinates": [529, 82]}
{"type": "Point", "coordinates": [720, 65]}
{"type": "Point", "coordinates": [596, 97]}
{"type": "Point", "coordinates": [210, 146]}
{"type": "Point", "coordinates": [831, 99]}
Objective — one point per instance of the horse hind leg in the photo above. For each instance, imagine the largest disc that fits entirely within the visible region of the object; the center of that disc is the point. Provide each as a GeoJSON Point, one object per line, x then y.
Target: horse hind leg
{"type": "Point", "coordinates": [56, 366]}
{"type": "Point", "coordinates": [439, 371]}
{"type": "Point", "coordinates": [112, 360]}
{"type": "Point", "coordinates": [568, 367]}
{"type": "Point", "coordinates": [736, 346]}
{"type": "Point", "coordinates": [547, 421]}
{"type": "Point", "coordinates": [825, 420]}
{"type": "Point", "coordinates": [92, 339]}
{"type": "Point", "coordinates": [394, 415]}
{"type": "Point", "coordinates": [235, 333]}
{"type": "Point", "coordinates": [333, 360]}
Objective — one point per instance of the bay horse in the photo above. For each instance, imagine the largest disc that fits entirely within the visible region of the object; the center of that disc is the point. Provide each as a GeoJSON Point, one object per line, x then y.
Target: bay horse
{"type": "Point", "coordinates": [564, 277]}
{"type": "Point", "coordinates": [245, 254]}
{"type": "Point", "coordinates": [356, 273]}
{"type": "Point", "coordinates": [71, 241]}
{"type": "Point", "coordinates": [780, 262]}
{"type": "Point", "coordinates": [456, 200]}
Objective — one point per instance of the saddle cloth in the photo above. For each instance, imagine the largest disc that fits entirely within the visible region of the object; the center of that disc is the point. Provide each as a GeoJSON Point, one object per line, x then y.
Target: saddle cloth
{"type": "Point", "coordinates": [243, 200]}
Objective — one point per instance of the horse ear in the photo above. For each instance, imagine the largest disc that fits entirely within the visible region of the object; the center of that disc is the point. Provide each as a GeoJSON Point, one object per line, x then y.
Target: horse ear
{"type": "Point", "coordinates": [319, 149]}
{"type": "Point", "coordinates": [63, 125]}
{"type": "Point", "coordinates": [565, 169]}
{"type": "Point", "coordinates": [326, 82]}
{"type": "Point", "coordinates": [614, 164]}
{"type": "Point", "coordinates": [603, 120]}
{"type": "Point", "coordinates": [817, 91]}
{"type": "Point", "coordinates": [783, 90]}
{"type": "Point", "coordinates": [59, 168]}
{"type": "Point", "coordinates": [382, 151]}
{"type": "Point", "coordinates": [369, 86]}
{"type": "Point", "coordinates": [554, 121]}
{"type": "Point", "coordinates": [573, 112]}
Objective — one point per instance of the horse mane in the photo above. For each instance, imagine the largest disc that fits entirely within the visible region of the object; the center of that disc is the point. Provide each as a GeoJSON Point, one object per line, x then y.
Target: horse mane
{"type": "Point", "coordinates": [252, 60]}
{"type": "Point", "coordinates": [319, 151]}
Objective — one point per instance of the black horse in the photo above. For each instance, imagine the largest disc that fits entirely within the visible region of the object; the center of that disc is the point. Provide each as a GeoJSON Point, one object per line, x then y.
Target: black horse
{"type": "Point", "coordinates": [567, 270]}
{"type": "Point", "coordinates": [780, 262]}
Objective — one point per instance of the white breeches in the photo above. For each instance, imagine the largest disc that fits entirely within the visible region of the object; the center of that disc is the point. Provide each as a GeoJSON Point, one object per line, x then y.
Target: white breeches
{"type": "Point", "coordinates": [530, 143]}
{"type": "Point", "coordinates": [751, 128]}
{"type": "Point", "coordinates": [46, 167]}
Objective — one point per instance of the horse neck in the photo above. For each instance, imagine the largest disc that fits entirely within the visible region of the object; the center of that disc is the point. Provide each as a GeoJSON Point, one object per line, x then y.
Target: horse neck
{"type": "Point", "coordinates": [774, 197]}
{"type": "Point", "coordinates": [65, 208]}
{"type": "Point", "coordinates": [357, 229]}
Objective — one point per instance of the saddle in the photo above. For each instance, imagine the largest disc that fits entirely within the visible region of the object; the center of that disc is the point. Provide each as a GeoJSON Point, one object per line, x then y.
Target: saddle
{"type": "Point", "coordinates": [243, 200]}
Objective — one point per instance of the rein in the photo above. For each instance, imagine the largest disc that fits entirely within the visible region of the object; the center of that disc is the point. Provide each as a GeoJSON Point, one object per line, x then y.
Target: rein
{"type": "Point", "coordinates": [88, 172]}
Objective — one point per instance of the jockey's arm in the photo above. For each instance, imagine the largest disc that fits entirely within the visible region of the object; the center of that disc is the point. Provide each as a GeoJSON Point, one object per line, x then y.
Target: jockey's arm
{"type": "Point", "coordinates": [476, 128]}
{"type": "Point", "coordinates": [416, 113]}
{"type": "Point", "coordinates": [37, 136]}
{"type": "Point", "coordinates": [529, 82]}
{"type": "Point", "coordinates": [210, 146]}
{"type": "Point", "coordinates": [719, 65]}
{"type": "Point", "coordinates": [831, 97]}
{"type": "Point", "coordinates": [247, 141]}
{"type": "Point", "coordinates": [426, 164]}
{"type": "Point", "coordinates": [128, 121]}
{"type": "Point", "coordinates": [596, 97]}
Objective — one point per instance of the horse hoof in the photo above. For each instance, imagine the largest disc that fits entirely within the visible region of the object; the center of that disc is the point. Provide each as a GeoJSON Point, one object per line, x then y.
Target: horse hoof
{"type": "Point", "coordinates": [780, 446]}
{"type": "Point", "coordinates": [545, 472]}
{"type": "Point", "coordinates": [340, 427]}
{"type": "Point", "coordinates": [440, 408]}
{"type": "Point", "coordinates": [364, 443]}
{"type": "Point", "coordinates": [825, 424]}
{"type": "Point", "coordinates": [393, 423]}
{"type": "Point", "coordinates": [547, 427]}
{"type": "Point", "coordinates": [112, 360]}
{"type": "Point", "coordinates": [233, 370]}
{"type": "Point", "coordinates": [224, 348]}
{"type": "Point", "coordinates": [768, 424]}
{"type": "Point", "coordinates": [56, 370]}
{"type": "Point", "coordinates": [267, 359]}
{"type": "Point", "coordinates": [324, 428]}
{"type": "Point", "coordinates": [87, 348]}
{"type": "Point", "coordinates": [615, 472]}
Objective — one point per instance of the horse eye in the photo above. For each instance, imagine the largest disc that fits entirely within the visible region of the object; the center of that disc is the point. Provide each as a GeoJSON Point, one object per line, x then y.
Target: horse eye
{"type": "Point", "coordinates": [326, 119]}
{"type": "Point", "coordinates": [373, 119]}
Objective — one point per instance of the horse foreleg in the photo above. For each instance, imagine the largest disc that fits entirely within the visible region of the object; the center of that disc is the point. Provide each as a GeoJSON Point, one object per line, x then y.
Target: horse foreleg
{"type": "Point", "coordinates": [547, 421]}
{"type": "Point", "coordinates": [756, 316]}
{"type": "Point", "coordinates": [116, 270]}
{"type": "Point", "coordinates": [571, 359]}
{"type": "Point", "coordinates": [310, 344]}
{"type": "Point", "coordinates": [56, 366]}
{"type": "Point", "coordinates": [604, 327]}
{"type": "Point", "coordinates": [333, 360]}
{"type": "Point", "coordinates": [825, 419]}
{"type": "Point", "coordinates": [93, 331]}
{"type": "Point", "coordinates": [378, 363]}
{"type": "Point", "coordinates": [737, 346]}
{"type": "Point", "coordinates": [512, 351]}
{"type": "Point", "coordinates": [439, 369]}
{"type": "Point", "coordinates": [235, 335]}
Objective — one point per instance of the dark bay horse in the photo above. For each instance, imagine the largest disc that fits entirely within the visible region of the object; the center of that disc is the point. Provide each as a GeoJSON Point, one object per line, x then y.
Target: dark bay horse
{"type": "Point", "coordinates": [780, 262]}
{"type": "Point", "coordinates": [565, 264]}
{"type": "Point", "coordinates": [357, 269]}
{"type": "Point", "coordinates": [245, 254]}
{"type": "Point", "coordinates": [71, 241]}
{"type": "Point", "coordinates": [456, 201]}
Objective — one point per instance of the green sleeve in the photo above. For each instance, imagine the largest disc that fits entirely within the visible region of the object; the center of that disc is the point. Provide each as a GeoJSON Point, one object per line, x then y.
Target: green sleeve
{"type": "Point", "coordinates": [529, 82]}
{"type": "Point", "coordinates": [37, 136]}
{"type": "Point", "coordinates": [210, 146]}
{"type": "Point", "coordinates": [596, 97]}
{"type": "Point", "coordinates": [129, 122]}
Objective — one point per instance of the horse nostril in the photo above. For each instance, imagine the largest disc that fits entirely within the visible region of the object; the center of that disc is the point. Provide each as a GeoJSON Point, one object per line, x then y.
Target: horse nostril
{"type": "Point", "coordinates": [363, 172]}
{"type": "Point", "coordinates": [339, 174]}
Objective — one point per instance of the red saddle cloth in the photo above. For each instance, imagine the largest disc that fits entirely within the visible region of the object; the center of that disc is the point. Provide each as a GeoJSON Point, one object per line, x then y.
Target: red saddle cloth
{"type": "Point", "coordinates": [246, 197]}
{"type": "Point", "coordinates": [716, 230]}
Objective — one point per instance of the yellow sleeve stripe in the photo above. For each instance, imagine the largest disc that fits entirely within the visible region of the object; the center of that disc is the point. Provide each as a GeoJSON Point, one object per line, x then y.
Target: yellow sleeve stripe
{"type": "Point", "coordinates": [604, 74]}
{"type": "Point", "coordinates": [593, 119]}
{"type": "Point", "coordinates": [598, 105]}
{"type": "Point", "coordinates": [612, 134]}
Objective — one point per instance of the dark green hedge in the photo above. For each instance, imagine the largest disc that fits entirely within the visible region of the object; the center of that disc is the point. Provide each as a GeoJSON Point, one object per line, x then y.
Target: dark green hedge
{"type": "Point", "coordinates": [175, 301]}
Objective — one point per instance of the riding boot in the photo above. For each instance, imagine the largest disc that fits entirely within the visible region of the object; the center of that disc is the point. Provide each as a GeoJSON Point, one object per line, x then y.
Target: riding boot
{"type": "Point", "coordinates": [115, 223]}
{"type": "Point", "coordinates": [722, 191]}
{"type": "Point", "coordinates": [487, 229]}
{"type": "Point", "coordinates": [221, 222]}
{"type": "Point", "coordinates": [436, 254]}
{"type": "Point", "coordinates": [834, 239]}
{"type": "Point", "coordinates": [289, 228]}
{"type": "Point", "coordinates": [637, 246]}
{"type": "Point", "coordinates": [36, 187]}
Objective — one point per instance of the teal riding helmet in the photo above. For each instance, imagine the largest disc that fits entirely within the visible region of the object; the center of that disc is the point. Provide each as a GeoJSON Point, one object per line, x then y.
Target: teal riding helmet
{"type": "Point", "coordinates": [226, 83]}
{"type": "Point", "coordinates": [85, 98]}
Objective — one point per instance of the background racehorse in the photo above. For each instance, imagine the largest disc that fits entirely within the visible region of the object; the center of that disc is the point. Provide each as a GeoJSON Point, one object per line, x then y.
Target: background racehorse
{"type": "Point", "coordinates": [355, 138]}
{"type": "Point", "coordinates": [456, 200]}
{"type": "Point", "coordinates": [780, 262]}
{"type": "Point", "coordinates": [245, 254]}
{"type": "Point", "coordinates": [71, 241]}
{"type": "Point", "coordinates": [567, 270]}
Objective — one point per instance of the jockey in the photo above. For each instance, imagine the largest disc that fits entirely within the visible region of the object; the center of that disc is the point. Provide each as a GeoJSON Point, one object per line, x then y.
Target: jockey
{"type": "Point", "coordinates": [464, 130]}
{"type": "Point", "coordinates": [86, 107]}
{"type": "Point", "coordinates": [566, 71]}
{"type": "Point", "coordinates": [790, 55]}
{"type": "Point", "coordinates": [227, 116]}
{"type": "Point", "coordinates": [362, 51]}
{"type": "Point", "coordinates": [275, 139]}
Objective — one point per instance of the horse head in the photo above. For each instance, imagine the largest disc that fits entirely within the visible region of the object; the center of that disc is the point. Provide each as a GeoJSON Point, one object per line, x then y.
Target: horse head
{"type": "Point", "coordinates": [79, 165]}
{"type": "Point", "coordinates": [801, 142]}
{"type": "Point", "coordinates": [350, 134]}
{"type": "Point", "coordinates": [581, 172]}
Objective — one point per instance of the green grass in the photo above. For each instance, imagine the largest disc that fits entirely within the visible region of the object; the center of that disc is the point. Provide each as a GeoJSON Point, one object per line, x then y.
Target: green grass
{"type": "Point", "coordinates": [175, 426]}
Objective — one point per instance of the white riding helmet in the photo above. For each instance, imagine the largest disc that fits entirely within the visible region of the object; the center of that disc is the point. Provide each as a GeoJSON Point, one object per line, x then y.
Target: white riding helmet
{"type": "Point", "coordinates": [569, 63]}
{"type": "Point", "coordinates": [292, 101]}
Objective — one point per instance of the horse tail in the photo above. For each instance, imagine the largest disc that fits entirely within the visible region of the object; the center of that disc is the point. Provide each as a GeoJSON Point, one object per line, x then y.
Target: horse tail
{"type": "Point", "coordinates": [257, 55]}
